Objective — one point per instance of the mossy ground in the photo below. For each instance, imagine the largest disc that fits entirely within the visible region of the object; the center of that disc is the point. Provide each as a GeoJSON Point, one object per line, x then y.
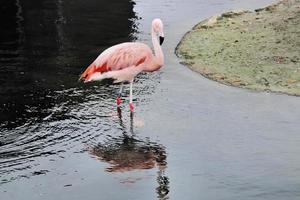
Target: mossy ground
{"type": "Point", "coordinates": [256, 50]}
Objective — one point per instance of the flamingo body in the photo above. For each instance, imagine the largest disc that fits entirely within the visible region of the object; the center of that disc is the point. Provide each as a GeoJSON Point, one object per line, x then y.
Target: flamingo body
{"type": "Point", "coordinates": [124, 61]}
{"type": "Point", "coordinates": [121, 62]}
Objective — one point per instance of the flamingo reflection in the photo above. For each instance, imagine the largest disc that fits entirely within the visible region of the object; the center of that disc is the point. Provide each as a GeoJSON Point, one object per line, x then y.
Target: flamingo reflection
{"type": "Point", "coordinates": [128, 153]}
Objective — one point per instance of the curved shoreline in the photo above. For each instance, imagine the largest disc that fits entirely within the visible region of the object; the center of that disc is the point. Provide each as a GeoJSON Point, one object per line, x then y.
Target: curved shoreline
{"type": "Point", "coordinates": [255, 50]}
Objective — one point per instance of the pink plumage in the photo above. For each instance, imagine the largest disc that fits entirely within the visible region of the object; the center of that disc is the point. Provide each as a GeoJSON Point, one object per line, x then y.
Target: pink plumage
{"type": "Point", "coordinates": [124, 61]}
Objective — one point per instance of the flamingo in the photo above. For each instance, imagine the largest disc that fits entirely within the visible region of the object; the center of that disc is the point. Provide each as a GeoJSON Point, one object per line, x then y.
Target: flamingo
{"type": "Point", "coordinates": [122, 62]}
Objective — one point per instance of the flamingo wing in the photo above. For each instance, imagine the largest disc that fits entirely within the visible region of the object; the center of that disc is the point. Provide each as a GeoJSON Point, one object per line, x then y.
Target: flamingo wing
{"type": "Point", "coordinates": [117, 58]}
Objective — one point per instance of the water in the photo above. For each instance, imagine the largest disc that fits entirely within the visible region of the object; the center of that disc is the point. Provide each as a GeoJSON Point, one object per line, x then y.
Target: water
{"type": "Point", "coordinates": [190, 138]}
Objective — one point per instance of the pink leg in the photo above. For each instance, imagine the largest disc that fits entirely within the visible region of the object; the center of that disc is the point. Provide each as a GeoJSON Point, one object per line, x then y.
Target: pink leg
{"type": "Point", "coordinates": [119, 101]}
{"type": "Point", "coordinates": [131, 106]}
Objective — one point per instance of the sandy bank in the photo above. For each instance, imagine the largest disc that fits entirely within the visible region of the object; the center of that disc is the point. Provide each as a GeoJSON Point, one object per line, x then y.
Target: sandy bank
{"type": "Point", "coordinates": [257, 50]}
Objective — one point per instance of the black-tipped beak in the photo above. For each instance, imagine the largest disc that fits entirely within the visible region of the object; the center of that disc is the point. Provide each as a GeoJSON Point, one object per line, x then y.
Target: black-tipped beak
{"type": "Point", "coordinates": [161, 40]}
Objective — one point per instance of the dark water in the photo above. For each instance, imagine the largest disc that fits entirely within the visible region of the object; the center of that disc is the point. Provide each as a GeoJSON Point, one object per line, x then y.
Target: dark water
{"type": "Point", "coordinates": [45, 112]}
{"type": "Point", "coordinates": [189, 138]}
{"type": "Point", "coordinates": [44, 47]}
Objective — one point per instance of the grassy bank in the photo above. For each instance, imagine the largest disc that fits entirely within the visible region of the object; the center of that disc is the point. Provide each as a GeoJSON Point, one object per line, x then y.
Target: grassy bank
{"type": "Point", "coordinates": [257, 50]}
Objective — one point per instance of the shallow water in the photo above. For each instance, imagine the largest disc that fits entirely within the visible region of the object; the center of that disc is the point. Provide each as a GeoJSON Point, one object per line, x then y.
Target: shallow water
{"type": "Point", "coordinates": [189, 138]}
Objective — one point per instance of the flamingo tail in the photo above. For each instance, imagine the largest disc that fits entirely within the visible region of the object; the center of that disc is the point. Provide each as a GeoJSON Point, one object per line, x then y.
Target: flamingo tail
{"type": "Point", "coordinates": [91, 70]}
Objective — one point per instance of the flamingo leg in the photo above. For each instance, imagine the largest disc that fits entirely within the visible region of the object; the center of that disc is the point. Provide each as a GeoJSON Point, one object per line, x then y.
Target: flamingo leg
{"type": "Point", "coordinates": [131, 106]}
{"type": "Point", "coordinates": [119, 101]}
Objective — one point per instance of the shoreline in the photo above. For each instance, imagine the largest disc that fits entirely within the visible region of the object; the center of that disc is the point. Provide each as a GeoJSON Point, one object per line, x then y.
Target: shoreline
{"type": "Point", "coordinates": [256, 50]}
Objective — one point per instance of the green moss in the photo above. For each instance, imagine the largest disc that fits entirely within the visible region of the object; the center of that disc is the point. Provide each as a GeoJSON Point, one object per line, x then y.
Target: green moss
{"type": "Point", "coordinates": [257, 50]}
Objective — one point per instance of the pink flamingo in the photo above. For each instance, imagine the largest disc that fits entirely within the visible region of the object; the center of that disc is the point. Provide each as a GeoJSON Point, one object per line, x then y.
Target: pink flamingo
{"type": "Point", "coordinates": [124, 61]}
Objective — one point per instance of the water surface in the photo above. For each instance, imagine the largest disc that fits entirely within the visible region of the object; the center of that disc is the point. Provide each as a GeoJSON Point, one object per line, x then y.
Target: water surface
{"type": "Point", "coordinates": [190, 138]}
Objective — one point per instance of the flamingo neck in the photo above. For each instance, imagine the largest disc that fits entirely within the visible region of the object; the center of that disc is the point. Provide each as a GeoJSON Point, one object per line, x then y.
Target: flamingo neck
{"type": "Point", "coordinates": [158, 53]}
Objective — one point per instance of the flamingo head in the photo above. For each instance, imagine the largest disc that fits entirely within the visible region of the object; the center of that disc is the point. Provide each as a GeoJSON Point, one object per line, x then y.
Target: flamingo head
{"type": "Point", "coordinates": [158, 28]}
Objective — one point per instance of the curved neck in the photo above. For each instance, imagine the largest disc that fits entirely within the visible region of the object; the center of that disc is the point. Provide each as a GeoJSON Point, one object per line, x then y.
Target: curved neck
{"type": "Point", "coordinates": [159, 56]}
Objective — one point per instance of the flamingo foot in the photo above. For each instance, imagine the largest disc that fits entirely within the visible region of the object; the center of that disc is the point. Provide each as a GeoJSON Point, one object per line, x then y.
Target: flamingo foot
{"type": "Point", "coordinates": [119, 101]}
{"type": "Point", "coordinates": [131, 106]}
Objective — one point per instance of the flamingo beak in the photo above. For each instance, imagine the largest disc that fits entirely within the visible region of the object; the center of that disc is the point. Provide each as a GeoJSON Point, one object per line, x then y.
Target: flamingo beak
{"type": "Point", "coordinates": [161, 40]}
